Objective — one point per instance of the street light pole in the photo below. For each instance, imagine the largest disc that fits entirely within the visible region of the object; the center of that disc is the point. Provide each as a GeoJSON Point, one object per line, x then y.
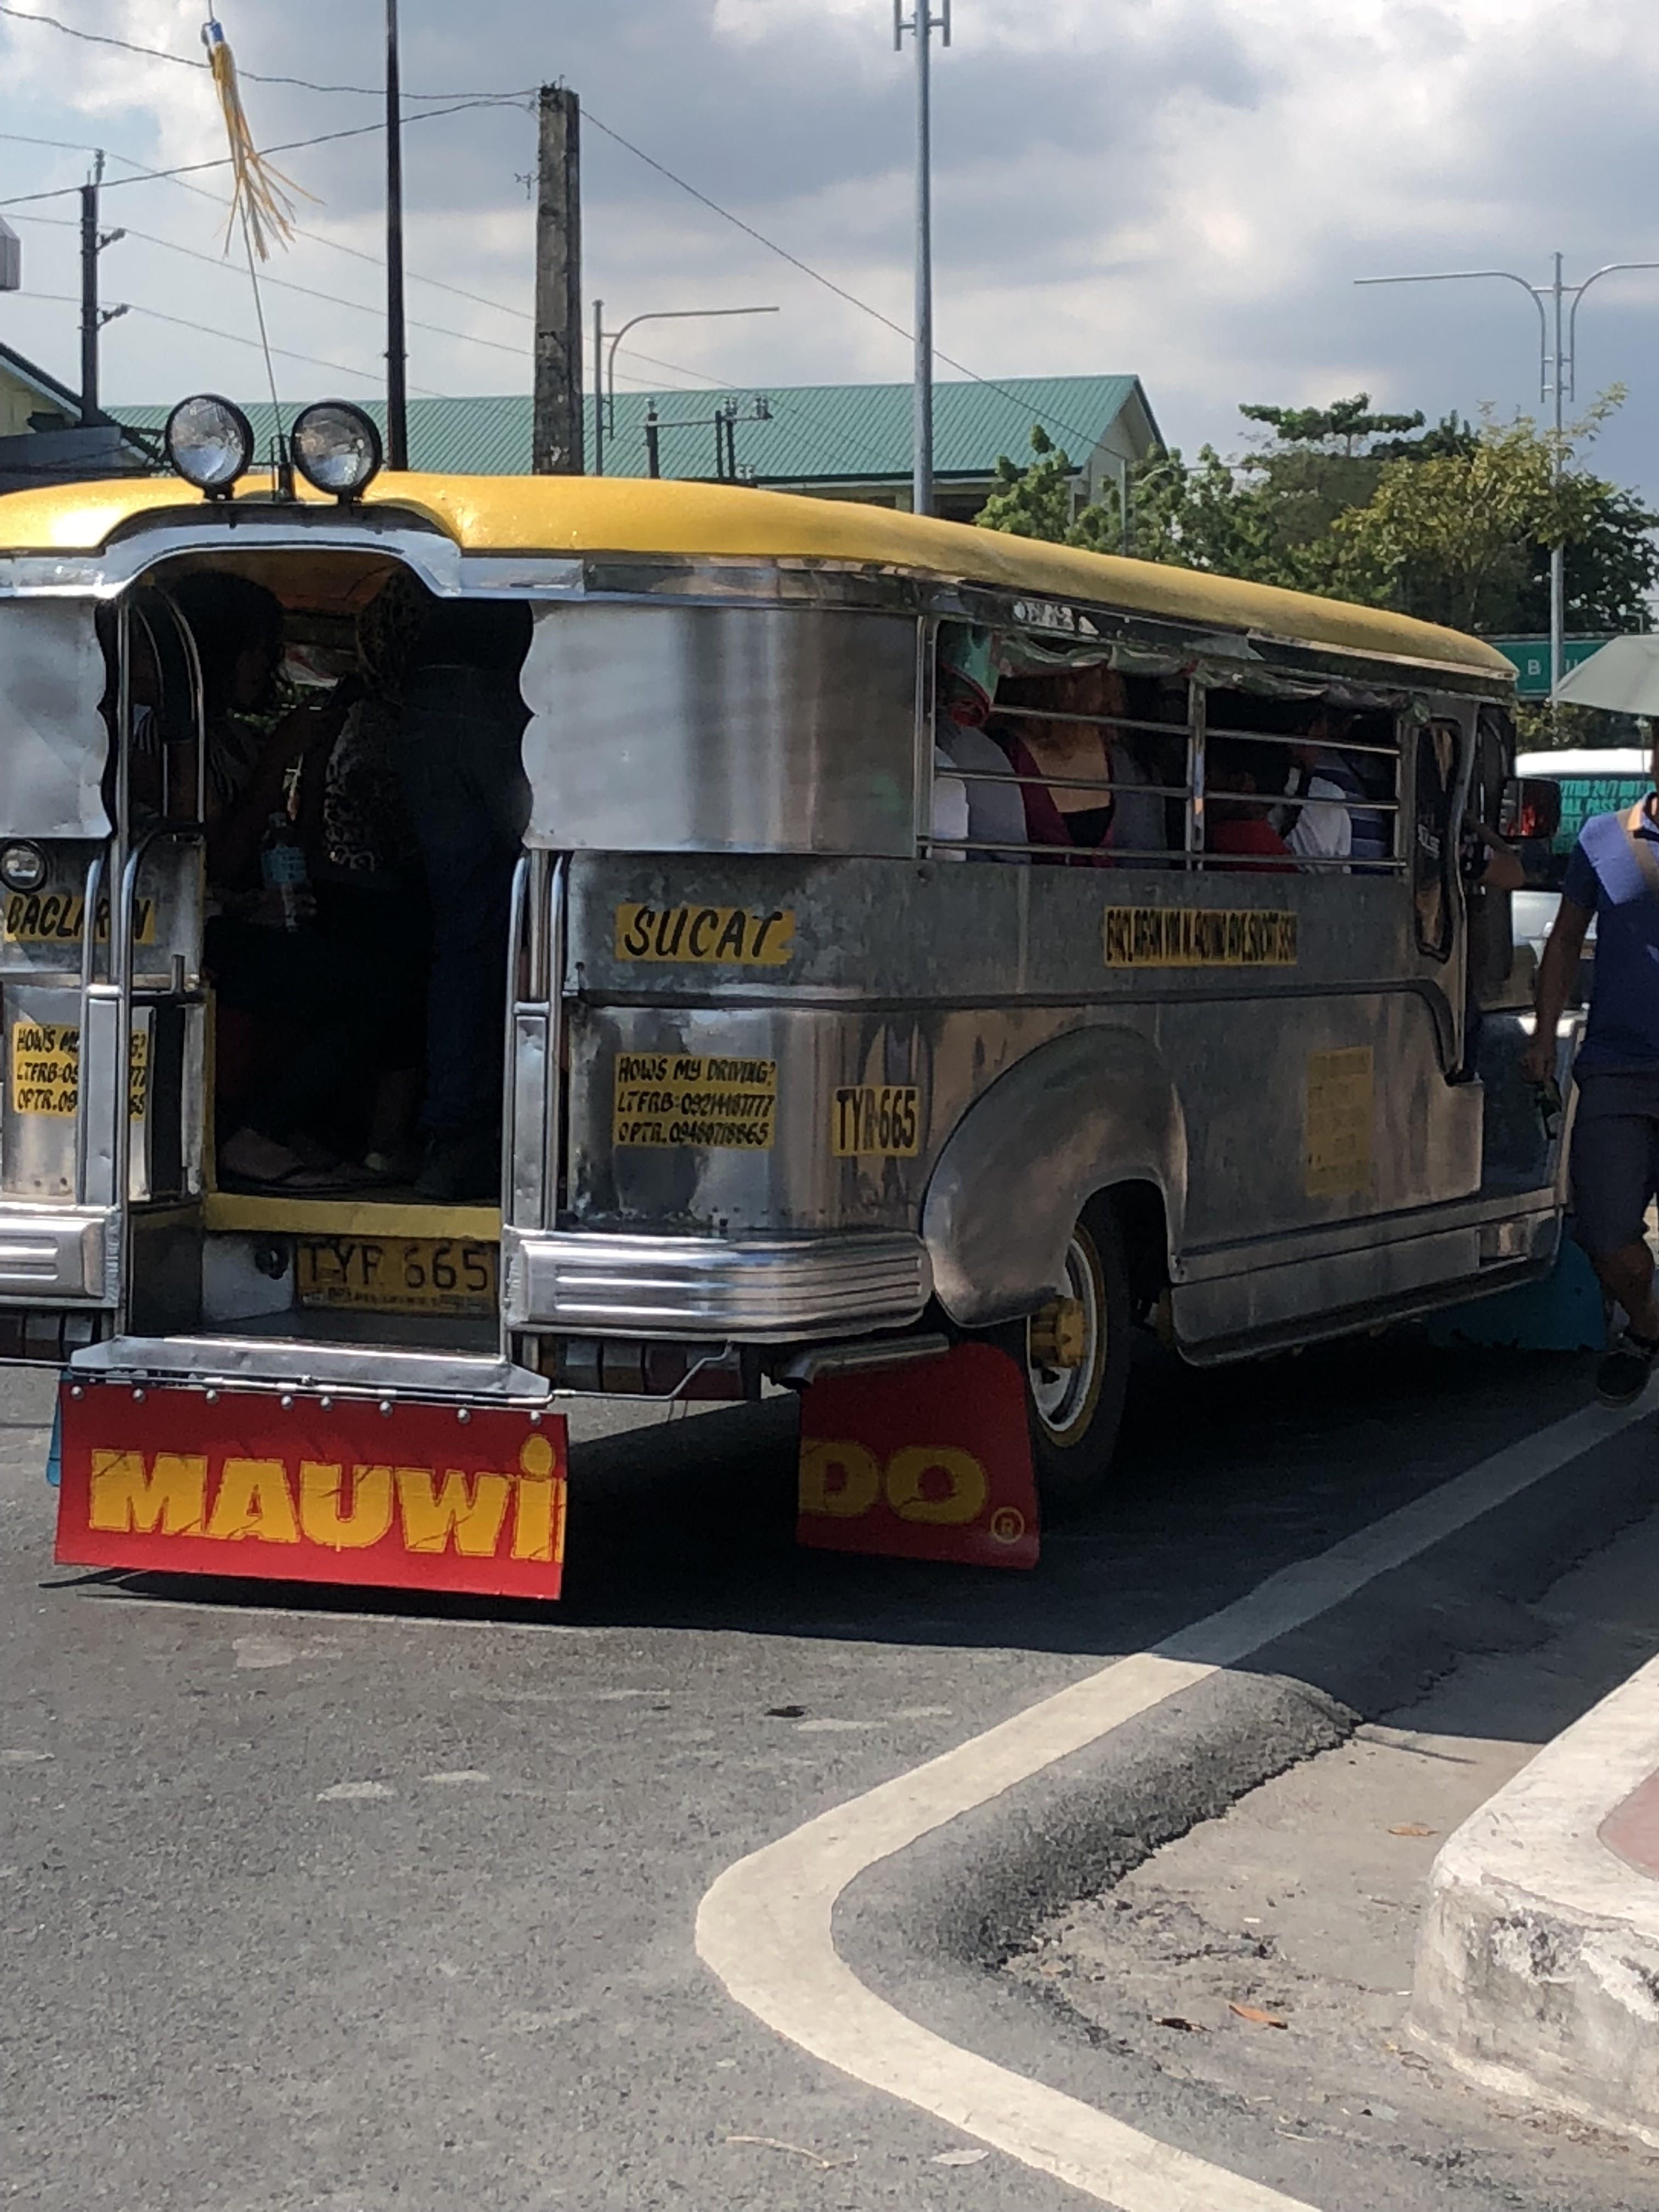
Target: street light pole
{"type": "Point", "coordinates": [921, 25]}
{"type": "Point", "coordinates": [658, 315]}
{"type": "Point", "coordinates": [1557, 379]}
{"type": "Point", "coordinates": [397, 355]}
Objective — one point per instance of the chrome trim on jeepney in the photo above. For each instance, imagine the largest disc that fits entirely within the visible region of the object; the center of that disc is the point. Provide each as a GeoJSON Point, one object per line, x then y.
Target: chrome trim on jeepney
{"type": "Point", "coordinates": [59, 1252]}
{"type": "Point", "coordinates": [764, 1289]}
{"type": "Point", "coordinates": [280, 1363]}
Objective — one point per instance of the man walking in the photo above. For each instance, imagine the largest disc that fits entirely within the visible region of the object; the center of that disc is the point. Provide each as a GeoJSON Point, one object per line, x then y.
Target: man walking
{"type": "Point", "coordinates": [1613, 878]}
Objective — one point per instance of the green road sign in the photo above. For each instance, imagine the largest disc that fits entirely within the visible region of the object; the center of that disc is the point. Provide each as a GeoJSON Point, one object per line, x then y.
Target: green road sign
{"type": "Point", "coordinates": [1531, 656]}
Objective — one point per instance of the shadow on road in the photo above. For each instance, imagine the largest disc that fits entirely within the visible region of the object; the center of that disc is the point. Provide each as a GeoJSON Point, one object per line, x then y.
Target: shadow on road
{"type": "Point", "coordinates": [1227, 1474]}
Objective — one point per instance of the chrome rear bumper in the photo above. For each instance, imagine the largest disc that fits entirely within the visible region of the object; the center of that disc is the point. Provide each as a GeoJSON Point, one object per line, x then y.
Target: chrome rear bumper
{"type": "Point", "coordinates": [52, 1252]}
{"type": "Point", "coordinates": [761, 1290]}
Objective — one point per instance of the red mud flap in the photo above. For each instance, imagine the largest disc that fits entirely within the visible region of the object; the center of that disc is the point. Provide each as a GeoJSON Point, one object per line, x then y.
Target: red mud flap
{"type": "Point", "coordinates": [930, 1461]}
{"type": "Point", "coordinates": [300, 1489]}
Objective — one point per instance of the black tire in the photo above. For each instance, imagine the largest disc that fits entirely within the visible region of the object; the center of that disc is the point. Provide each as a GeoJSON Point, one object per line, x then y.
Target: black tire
{"type": "Point", "coordinates": [1075, 1411]}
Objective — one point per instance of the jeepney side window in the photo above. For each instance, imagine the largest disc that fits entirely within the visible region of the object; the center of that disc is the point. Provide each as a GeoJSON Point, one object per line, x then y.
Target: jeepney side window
{"type": "Point", "coordinates": [1067, 761]}
{"type": "Point", "coordinates": [1434, 847]}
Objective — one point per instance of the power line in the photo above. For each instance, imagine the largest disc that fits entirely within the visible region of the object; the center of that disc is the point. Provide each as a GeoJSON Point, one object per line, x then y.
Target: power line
{"type": "Point", "coordinates": [828, 282]}
{"type": "Point", "coordinates": [253, 76]}
{"type": "Point", "coordinates": [283, 283]}
{"type": "Point", "coordinates": [436, 330]}
{"type": "Point", "coordinates": [232, 338]}
{"type": "Point", "coordinates": [286, 146]}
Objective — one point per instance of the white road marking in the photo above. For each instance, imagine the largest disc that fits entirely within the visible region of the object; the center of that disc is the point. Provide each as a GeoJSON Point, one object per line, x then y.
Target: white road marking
{"type": "Point", "coordinates": [458, 1774]}
{"type": "Point", "coordinates": [340, 1791]}
{"type": "Point", "coordinates": [765, 1927]}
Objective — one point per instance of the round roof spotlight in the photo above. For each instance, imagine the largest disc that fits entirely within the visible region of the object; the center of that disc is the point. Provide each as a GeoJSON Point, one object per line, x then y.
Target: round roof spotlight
{"type": "Point", "coordinates": [210, 443]}
{"type": "Point", "coordinates": [22, 867]}
{"type": "Point", "coordinates": [336, 447]}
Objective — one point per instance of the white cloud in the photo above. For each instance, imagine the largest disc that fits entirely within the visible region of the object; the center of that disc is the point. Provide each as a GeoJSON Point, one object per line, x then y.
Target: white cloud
{"type": "Point", "coordinates": [1184, 187]}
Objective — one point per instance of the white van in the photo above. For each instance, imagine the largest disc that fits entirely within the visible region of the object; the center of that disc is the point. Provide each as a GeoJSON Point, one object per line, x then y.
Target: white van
{"type": "Point", "coordinates": [1592, 782]}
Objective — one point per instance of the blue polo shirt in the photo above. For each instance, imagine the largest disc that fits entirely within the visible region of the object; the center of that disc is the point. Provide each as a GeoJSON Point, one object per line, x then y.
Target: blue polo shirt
{"type": "Point", "coordinates": [1605, 875]}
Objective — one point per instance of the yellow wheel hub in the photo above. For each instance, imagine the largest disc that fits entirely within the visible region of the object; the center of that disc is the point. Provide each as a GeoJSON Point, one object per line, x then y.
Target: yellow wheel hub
{"type": "Point", "coordinates": [1059, 1334]}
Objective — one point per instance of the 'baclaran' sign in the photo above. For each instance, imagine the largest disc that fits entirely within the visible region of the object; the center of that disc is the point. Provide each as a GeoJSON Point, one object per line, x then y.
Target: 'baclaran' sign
{"type": "Point", "coordinates": [414, 1498]}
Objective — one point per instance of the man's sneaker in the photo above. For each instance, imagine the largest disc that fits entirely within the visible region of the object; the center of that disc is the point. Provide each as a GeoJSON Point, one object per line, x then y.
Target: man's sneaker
{"type": "Point", "coordinates": [1623, 1375]}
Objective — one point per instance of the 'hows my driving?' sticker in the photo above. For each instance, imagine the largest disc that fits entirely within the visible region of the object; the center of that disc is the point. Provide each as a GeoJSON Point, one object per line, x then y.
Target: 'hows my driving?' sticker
{"type": "Point", "coordinates": [672, 1099]}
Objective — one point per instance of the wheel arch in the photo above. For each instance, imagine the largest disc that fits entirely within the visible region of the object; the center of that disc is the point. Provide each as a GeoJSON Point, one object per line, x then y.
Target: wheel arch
{"type": "Point", "coordinates": [1081, 1116]}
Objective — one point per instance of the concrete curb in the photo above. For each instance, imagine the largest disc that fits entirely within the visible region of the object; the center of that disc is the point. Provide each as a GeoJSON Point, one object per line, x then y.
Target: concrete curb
{"type": "Point", "coordinates": [1538, 1967]}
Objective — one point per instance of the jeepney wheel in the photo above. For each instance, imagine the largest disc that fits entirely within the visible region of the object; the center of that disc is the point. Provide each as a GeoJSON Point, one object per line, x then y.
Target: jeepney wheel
{"type": "Point", "coordinates": [1076, 1351]}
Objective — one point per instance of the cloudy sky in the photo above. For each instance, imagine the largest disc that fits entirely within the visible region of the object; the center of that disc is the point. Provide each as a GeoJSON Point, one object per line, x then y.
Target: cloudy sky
{"type": "Point", "coordinates": [1183, 188]}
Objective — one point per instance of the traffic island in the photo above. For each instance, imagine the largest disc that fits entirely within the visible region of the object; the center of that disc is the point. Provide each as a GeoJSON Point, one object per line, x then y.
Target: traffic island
{"type": "Point", "coordinates": [1537, 1971]}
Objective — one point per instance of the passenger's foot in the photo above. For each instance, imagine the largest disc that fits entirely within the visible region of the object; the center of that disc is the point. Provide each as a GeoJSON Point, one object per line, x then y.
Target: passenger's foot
{"type": "Point", "coordinates": [1623, 1375]}
{"type": "Point", "coordinates": [248, 1161]}
{"type": "Point", "coordinates": [457, 1170]}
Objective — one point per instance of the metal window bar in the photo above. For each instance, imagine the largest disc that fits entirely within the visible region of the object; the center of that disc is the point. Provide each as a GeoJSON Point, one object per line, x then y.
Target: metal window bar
{"type": "Point", "coordinates": [1211, 863]}
{"type": "Point", "coordinates": [1301, 738]}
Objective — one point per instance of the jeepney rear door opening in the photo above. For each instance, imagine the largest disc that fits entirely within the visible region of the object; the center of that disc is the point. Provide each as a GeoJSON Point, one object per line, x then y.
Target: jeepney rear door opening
{"type": "Point", "coordinates": [281, 1192]}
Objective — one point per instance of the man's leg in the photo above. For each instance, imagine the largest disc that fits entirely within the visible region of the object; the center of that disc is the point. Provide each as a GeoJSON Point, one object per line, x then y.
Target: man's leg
{"type": "Point", "coordinates": [1613, 1180]}
{"type": "Point", "coordinates": [1627, 1276]}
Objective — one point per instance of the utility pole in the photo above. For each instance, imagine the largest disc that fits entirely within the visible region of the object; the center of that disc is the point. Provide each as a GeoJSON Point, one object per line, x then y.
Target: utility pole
{"type": "Point", "coordinates": [921, 24]}
{"type": "Point", "coordinates": [556, 439]}
{"type": "Point", "coordinates": [397, 350]}
{"type": "Point", "coordinates": [93, 316]}
{"type": "Point", "coordinates": [1557, 360]}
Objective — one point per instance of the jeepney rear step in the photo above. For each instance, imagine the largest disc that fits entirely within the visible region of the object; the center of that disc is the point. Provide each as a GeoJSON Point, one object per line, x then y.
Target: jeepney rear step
{"type": "Point", "coordinates": [247, 1363]}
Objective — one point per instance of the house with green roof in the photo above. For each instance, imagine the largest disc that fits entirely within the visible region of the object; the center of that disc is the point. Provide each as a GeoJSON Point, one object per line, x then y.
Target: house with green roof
{"type": "Point", "coordinates": [836, 440]}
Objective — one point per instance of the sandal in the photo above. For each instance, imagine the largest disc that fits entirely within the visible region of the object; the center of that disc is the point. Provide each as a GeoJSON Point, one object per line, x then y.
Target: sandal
{"type": "Point", "coordinates": [256, 1165]}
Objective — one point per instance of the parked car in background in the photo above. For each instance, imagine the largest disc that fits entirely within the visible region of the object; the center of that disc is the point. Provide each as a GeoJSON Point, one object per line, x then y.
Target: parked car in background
{"type": "Point", "coordinates": [1599, 782]}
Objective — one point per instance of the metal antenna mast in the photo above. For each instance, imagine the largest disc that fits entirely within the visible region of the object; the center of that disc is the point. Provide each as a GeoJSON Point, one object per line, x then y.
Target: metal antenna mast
{"type": "Point", "coordinates": [1558, 357]}
{"type": "Point", "coordinates": [921, 24]}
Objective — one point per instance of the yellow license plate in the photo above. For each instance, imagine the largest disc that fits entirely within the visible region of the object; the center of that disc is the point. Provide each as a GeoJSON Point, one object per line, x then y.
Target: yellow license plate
{"type": "Point", "coordinates": [398, 1274]}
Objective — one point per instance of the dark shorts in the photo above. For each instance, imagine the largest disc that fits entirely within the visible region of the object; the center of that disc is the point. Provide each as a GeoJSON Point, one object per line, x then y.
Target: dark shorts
{"type": "Point", "coordinates": [1615, 1157]}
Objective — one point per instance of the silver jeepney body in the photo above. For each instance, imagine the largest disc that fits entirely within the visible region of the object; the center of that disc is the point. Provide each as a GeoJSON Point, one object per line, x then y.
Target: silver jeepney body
{"type": "Point", "coordinates": [736, 943]}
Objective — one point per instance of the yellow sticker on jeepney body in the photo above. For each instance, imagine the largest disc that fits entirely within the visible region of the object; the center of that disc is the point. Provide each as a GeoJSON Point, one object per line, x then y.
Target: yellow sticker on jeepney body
{"type": "Point", "coordinates": [60, 918]}
{"type": "Point", "coordinates": [667, 1100]}
{"type": "Point", "coordinates": [45, 1070]}
{"type": "Point", "coordinates": [1198, 936]}
{"type": "Point", "coordinates": [707, 936]}
{"type": "Point", "coordinates": [1340, 1111]}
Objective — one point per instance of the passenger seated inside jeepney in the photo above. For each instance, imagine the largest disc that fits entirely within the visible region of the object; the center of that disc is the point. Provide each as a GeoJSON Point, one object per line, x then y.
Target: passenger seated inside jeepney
{"type": "Point", "coordinates": [1061, 728]}
{"type": "Point", "coordinates": [287, 977]}
{"type": "Point", "coordinates": [986, 815]}
{"type": "Point", "coordinates": [1240, 779]}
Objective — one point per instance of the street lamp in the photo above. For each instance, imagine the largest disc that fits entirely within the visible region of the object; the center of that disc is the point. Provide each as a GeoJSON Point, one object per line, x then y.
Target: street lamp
{"type": "Point", "coordinates": [921, 24]}
{"type": "Point", "coordinates": [1558, 356]}
{"type": "Point", "coordinates": [658, 315]}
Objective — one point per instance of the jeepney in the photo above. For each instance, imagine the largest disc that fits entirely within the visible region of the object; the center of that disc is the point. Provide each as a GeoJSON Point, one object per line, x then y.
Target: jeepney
{"type": "Point", "coordinates": [801, 1086]}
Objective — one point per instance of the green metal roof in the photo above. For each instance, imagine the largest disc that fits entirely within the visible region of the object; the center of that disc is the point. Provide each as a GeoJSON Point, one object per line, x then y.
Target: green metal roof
{"type": "Point", "coordinates": [812, 433]}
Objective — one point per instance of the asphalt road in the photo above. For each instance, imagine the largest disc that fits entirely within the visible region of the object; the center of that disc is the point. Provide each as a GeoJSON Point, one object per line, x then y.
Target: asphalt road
{"type": "Point", "coordinates": [343, 1905]}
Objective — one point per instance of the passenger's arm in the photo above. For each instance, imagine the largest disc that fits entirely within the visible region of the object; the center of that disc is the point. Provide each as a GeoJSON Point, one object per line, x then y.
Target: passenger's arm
{"type": "Point", "coordinates": [1556, 973]}
{"type": "Point", "coordinates": [1504, 871]}
{"type": "Point", "coordinates": [235, 836]}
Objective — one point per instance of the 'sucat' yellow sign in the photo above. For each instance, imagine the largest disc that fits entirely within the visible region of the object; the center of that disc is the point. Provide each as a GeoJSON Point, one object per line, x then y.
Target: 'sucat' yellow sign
{"type": "Point", "coordinates": [1197, 937]}
{"type": "Point", "coordinates": [707, 936]}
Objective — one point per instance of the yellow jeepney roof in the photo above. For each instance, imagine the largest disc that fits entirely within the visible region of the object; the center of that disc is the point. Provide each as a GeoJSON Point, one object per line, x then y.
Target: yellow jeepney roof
{"type": "Point", "coordinates": [567, 515]}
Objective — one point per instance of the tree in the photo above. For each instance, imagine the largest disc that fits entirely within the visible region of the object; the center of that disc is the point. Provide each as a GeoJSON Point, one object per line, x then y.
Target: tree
{"type": "Point", "coordinates": [1036, 499]}
{"type": "Point", "coordinates": [1464, 538]}
{"type": "Point", "coordinates": [1453, 522]}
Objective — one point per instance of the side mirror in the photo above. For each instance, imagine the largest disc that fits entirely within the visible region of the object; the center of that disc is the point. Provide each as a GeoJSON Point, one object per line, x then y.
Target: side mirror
{"type": "Point", "coordinates": [1531, 808]}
